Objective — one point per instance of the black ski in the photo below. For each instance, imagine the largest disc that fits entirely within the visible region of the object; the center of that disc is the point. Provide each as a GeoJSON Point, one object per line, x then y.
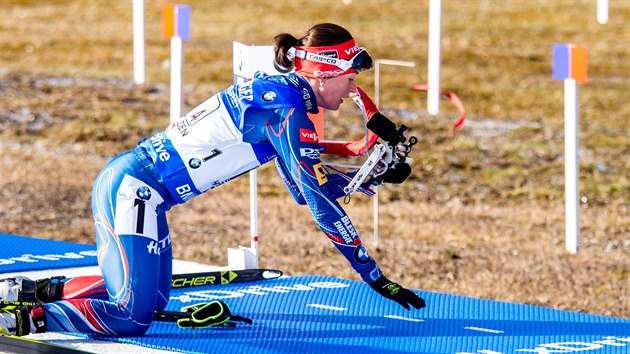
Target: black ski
{"type": "Point", "coordinates": [166, 316]}
{"type": "Point", "coordinates": [223, 277]}
{"type": "Point", "coordinates": [169, 316]}
{"type": "Point", "coordinates": [13, 344]}
{"type": "Point", "coordinates": [179, 281]}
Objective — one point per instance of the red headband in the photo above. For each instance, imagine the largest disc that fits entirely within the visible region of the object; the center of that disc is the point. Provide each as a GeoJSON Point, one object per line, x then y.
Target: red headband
{"type": "Point", "coordinates": [320, 62]}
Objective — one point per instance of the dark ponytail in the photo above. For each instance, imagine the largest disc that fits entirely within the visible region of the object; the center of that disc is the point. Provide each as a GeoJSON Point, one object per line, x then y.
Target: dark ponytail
{"type": "Point", "coordinates": [282, 43]}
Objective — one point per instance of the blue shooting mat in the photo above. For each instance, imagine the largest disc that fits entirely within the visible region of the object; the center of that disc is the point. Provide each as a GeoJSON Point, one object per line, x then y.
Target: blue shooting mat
{"type": "Point", "coordinates": [19, 253]}
{"type": "Point", "coordinates": [317, 314]}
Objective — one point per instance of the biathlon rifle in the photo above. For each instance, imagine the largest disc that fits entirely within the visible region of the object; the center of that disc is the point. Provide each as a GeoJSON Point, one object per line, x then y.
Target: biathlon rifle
{"type": "Point", "coordinates": [388, 162]}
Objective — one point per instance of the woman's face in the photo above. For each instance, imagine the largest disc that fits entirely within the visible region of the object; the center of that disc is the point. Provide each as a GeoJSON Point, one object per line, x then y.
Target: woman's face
{"type": "Point", "coordinates": [331, 93]}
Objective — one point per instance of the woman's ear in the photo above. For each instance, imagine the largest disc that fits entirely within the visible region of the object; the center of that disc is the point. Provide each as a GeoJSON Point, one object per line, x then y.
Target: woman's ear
{"type": "Point", "coordinates": [321, 84]}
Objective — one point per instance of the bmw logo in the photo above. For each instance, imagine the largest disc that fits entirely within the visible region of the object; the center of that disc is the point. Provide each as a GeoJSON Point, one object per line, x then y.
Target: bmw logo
{"type": "Point", "coordinates": [268, 96]}
{"type": "Point", "coordinates": [194, 162]}
{"type": "Point", "coordinates": [143, 193]}
{"type": "Point", "coordinates": [361, 255]}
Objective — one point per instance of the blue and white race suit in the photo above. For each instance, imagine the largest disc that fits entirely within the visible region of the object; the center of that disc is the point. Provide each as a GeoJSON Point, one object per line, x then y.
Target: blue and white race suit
{"type": "Point", "coordinates": [234, 131]}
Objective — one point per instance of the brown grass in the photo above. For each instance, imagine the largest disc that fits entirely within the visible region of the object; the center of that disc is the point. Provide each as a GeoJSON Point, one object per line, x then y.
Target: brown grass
{"type": "Point", "coordinates": [483, 212]}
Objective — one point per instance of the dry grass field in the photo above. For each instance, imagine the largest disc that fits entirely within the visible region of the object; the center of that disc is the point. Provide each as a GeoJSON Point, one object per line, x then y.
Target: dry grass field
{"type": "Point", "coordinates": [483, 212]}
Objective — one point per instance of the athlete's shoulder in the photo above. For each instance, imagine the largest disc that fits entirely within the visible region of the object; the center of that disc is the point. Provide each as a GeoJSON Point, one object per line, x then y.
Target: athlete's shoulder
{"type": "Point", "coordinates": [286, 89]}
{"type": "Point", "coordinates": [279, 83]}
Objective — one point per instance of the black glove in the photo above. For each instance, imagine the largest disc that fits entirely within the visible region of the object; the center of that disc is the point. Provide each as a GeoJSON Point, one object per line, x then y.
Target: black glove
{"type": "Point", "coordinates": [396, 174]}
{"type": "Point", "coordinates": [394, 291]}
{"type": "Point", "coordinates": [215, 313]}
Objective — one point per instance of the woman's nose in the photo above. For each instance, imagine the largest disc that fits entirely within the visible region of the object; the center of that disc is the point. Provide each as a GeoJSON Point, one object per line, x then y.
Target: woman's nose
{"type": "Point", "coordinates": [353, 87]}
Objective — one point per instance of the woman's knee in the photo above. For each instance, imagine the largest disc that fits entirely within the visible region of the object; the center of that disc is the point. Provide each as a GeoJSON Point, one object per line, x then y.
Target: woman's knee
{"type": "Point", "coordinates": [137, 323]}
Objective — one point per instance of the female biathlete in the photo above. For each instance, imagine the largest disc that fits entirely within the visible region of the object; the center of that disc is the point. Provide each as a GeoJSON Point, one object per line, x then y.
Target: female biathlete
{"type": "Point", "coordinates": [234, 131]}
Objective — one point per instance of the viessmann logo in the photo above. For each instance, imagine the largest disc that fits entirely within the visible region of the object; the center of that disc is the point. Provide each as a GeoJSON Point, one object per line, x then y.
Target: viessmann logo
{"type": "Point", "coordinates": [308, 136]}
{"type": "Point", "coordinates": [607, 344]}
{"type": "Point", "coordinates": [256, 290]}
